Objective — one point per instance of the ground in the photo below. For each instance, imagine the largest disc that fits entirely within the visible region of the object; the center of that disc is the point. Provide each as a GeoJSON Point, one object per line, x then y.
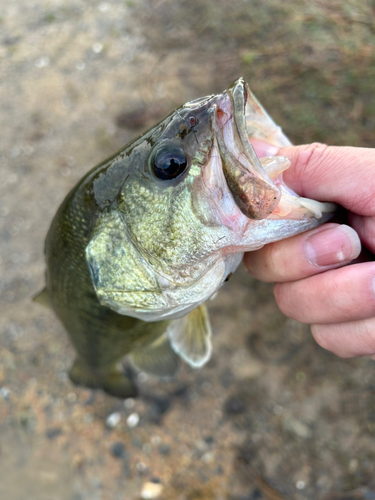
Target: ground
{"type": "Point", "coordinates": [272, 415]}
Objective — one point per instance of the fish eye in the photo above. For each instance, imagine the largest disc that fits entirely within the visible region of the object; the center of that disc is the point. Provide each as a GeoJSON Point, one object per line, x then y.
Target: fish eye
{"type": "Point", "coordinates": [169, 162]}
{"type": "Point", "coordinates": [193, 121]}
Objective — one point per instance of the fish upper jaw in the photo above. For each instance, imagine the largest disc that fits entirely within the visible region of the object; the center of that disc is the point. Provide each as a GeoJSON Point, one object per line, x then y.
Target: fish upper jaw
{"type": "Point", "coordinates": [253, 191]}
{"type": "Point", "coordinates": [241, 191]}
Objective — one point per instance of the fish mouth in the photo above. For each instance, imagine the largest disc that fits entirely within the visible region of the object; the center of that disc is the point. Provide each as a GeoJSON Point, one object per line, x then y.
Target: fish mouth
{"type": "Point", "coordinates": [256, 185]}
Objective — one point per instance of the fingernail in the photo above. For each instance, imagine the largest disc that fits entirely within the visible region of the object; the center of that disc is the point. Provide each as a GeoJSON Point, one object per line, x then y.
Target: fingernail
{"type": "Point", "coordinates": [263, 149]}
{"type": "Point", "coordinates": [332, 246]}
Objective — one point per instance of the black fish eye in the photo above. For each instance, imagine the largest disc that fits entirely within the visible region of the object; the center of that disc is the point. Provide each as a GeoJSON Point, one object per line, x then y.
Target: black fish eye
{"type": "Point", "coordinates": [169, 162]}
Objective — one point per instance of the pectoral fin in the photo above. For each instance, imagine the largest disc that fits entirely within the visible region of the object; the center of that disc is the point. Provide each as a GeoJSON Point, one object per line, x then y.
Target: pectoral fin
{"type": "Point", "coordinates": [190, 337]}
{"type": "Point", "coordinates": [156, 358]}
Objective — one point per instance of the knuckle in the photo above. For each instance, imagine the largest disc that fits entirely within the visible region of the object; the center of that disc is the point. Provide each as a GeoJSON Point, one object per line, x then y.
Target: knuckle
{"type": "Point", "coordinates": [325, 338]}
{"type": "Point", "coordinates": [318, 332]}
{"type": "Point", "coordinates": [284, 299]}
{"type": "Point", "coordinates": [276, 262]}
{"type": "Point", "coordinates": [368, 335]}
{"type": "Point", "coordinates": [332, 297]}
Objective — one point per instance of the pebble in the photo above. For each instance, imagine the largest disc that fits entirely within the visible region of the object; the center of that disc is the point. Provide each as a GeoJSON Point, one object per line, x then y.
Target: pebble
{"type": "Point", "coordinates": [147, 448]}
{"type": "Point", "coordinates": [209, 439]}
{"type": "Point", "coordinates": [104, 7]}
{"type": "Point", "coordinates": [5, 392]}
{"type": "Point", "coordinates": [152, 489]}
{"type": "Point", "coordinates": [300, 485]}
{"type": "Point", "coordinates": [71, 397]}
{"type": "Point", "coordinates": [113, 419]}
{"type": "Point", "coordinates": [42, 62]}
{"type": "Point", "coordinates": [129, 403]}
{"type": "Point", "coordinates": [164, 449]}
{"type": "Point", "coordinates": [132, 420]}
{"type": "Point", "coordinates": [353, 466]}
{"type": "Point", "coordinates": [298, 428]}
{"type": "Point", "coordinates": [155, 440]}
{"type": "Point", "coordinates": [208, 457]}
{"type": "Point", "coordinates": [234, 406]}
{"type": "Point", "coordinates": [53, 432]}
{"type": "Point", "coordinates": [118, 449]}
{"type": "Point", "coordinates": [97, 47]}
{"type": "Point", "coordinates": [141, 467]}
{"type": "Point", "coordinates": [80, 65]}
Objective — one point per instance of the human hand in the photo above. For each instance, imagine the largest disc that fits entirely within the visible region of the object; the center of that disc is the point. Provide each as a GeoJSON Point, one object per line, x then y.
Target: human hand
{"type": "Point", "coordinates": [315, 282]}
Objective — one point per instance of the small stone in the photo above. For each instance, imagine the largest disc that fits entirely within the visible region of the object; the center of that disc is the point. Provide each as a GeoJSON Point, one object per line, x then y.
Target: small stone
{"type": "Point", "coordinates": [113, 419]}
{"type": "Point", "coordinates": [300, 485]}
{"type": "Point", "coordinates": [118, 449]}
{"type": "Point", "coordinates": [89, 418]}
{"type": "Point", "coordinates": [353, 466]}
{"type": "Point", "coordinates": [104, 7]}
{"type": "Point", "coordinates": [71, 397]}
{"type": "Point", "coordinates": [97, 47]}
{"type": "Point", "coordinates": [80, 65]}
{"type": "Point", "coordinates": [5, 392]}
{"type": "Point", "coordinates": [141, 467]}
{"type": "Point", "coordinates": [53, 432]}
{"type": "Point", "coordinates": [234, 406]}
{"type": "Point", "coordinates": [146, 448]}
{"type": "Point", "coordinates": [42, 62]}
{"type": "Point", "coordinates": [151, 489]}
{"type": "Point", "coordinates": [132, 420]}
{"type": "Point", "coordinates": [209, 439]}
{"type": "Point", "coordinates": [136, 442]}
{"type": "Point", "coordinates": [155, 440]}
{"type": "Point", "coordinates": [164, 449]}
{"type": "Point", "coordinates": [208, 457]}
{"type": "Point", "coordinates": [129, 403]}
{"type": "Point", "coordinates": [298, 428]}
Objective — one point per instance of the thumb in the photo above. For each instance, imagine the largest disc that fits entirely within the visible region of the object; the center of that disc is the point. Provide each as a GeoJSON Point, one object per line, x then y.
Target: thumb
{"type": "Point", "coordinates": [345, 175]}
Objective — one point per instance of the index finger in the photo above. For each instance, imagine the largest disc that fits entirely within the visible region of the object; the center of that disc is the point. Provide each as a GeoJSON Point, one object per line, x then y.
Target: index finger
{"type": "Point", "coordinates": [345, 175]}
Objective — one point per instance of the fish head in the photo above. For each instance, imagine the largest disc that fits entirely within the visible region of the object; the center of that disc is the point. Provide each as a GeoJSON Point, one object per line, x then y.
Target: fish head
{"type": "Point", "coordinates": [193, 197]}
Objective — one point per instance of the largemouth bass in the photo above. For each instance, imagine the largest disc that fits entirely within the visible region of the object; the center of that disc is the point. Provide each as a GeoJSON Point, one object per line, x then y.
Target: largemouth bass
{"type": "Point", "coordinates": [148, 235]}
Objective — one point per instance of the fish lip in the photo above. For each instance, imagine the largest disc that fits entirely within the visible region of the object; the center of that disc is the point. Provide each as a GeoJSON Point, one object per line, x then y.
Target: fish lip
{"type": "Point", "coordinates": [253, 191]}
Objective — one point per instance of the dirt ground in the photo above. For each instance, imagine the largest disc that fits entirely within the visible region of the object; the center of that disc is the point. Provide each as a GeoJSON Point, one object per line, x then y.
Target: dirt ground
{"type": "Point", "coordinates": [272, 416]}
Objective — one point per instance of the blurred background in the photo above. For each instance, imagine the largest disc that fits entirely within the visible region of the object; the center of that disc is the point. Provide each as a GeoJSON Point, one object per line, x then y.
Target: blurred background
{"type": "Point", "coordinates": [272, 416]}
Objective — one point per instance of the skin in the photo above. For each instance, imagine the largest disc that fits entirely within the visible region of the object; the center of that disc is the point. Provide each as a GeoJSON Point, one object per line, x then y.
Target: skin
{"type": "Point", "coordinates": [318, 281]}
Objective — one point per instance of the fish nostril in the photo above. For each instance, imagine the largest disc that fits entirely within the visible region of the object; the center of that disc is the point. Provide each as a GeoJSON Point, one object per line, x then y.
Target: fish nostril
{"type": "Point", "coordinates": [220, 113]}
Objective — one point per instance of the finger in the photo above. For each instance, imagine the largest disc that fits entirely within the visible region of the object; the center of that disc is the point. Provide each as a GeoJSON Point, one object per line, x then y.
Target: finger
{"type": "Point", "coordinates": [344, 175]}
{"type": "Point", "coordinates": [336, 296]}
{"type": "Point", "coordinates": [263, 149]}
{"type": "Point", "coordinates": [365, 227]}
{"type": "Point", "coordinates": [347, 340]}
{"type": "Point", "coordinates": [304, 255]}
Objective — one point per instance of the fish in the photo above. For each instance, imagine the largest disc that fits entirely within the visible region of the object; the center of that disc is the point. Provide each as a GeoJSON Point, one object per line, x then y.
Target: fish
{"type": "Point", "coordinates": [151, 233]}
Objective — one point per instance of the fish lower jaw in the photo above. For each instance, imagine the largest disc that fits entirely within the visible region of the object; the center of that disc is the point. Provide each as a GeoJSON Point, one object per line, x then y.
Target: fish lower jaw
{"type": "Point", "coordinates": [292, 206]}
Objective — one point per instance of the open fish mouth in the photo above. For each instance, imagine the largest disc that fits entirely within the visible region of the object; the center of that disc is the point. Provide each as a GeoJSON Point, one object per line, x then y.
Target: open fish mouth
{"type": "Point", "coordinates": [256, 185]}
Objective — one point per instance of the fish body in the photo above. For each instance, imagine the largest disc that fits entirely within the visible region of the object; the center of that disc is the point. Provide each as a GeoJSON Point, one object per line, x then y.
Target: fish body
{"type": "Point", "coordinates": [152, 232]}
